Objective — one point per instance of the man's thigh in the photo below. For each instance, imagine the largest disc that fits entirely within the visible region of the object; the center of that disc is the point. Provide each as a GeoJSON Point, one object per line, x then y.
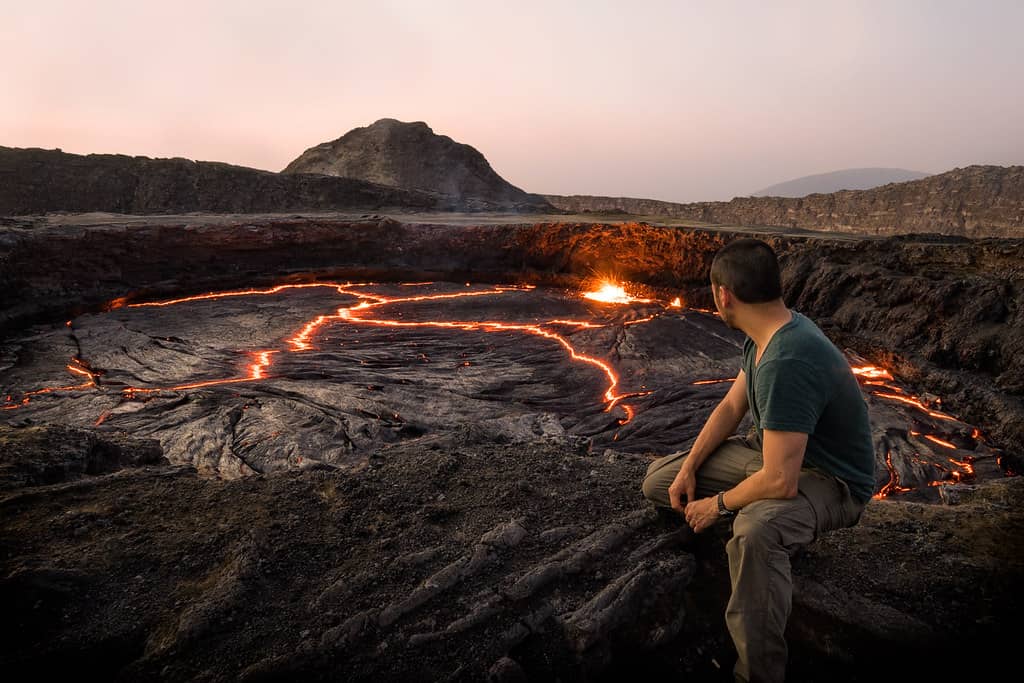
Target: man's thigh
{"type": "Point", "coordinates": [830, 500]}
{"type": "Point", "coordinates": [822, 504]}
{"type": "Point", "coordinates": [728, 465]}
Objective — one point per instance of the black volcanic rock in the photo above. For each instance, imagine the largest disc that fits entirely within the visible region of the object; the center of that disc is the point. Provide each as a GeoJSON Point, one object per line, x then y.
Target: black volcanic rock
{"type": "Point", "coordinates": [528, 561]}
{"type": "Point", "coordinates": [977, 201]}
{"type": "Point", "coordinates": [410, 156]}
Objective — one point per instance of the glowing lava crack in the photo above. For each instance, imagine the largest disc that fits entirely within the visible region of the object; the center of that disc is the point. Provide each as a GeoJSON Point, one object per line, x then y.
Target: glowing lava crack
{"type": "Point", "coordinates": [303, 340]}
{"type": "Point", "coordinates": [332, 383]}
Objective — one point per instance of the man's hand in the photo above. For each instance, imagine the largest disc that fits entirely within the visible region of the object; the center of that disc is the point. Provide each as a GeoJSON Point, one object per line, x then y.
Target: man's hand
{"type": "Point", "coordinates": [683, 486]}
{"type": "Point", "coordinates": [701, 514]}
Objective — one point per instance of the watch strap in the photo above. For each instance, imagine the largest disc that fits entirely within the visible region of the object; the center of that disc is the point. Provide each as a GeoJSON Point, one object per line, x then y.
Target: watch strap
{"type": "Point", "coordinates": [722, 510]}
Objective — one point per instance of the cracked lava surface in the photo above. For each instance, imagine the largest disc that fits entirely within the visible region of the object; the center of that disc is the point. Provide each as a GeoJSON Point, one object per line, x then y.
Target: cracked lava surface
{"type": "Point", "coordinates": [254, 380]}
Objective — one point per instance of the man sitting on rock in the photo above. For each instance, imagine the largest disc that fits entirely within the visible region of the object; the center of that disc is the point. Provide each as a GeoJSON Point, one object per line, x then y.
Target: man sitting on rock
{"type": "Point", "coordinates": [806, 468]}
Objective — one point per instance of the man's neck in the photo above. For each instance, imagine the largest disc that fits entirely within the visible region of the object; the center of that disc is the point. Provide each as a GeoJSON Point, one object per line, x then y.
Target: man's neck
{"type": "Point", "coordinates": [761, 321]}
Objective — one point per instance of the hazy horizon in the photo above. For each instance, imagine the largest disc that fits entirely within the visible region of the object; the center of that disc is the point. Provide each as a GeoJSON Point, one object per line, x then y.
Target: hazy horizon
{"type": "Point", "coordinates": [664, 100]}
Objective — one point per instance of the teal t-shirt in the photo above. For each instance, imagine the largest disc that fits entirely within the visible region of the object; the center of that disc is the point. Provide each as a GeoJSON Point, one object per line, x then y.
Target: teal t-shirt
{"type": "Point", "coordinates": [803, 383]}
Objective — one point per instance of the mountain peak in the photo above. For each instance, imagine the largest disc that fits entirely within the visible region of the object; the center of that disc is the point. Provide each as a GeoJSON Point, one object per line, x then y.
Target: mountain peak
{"type": "Point", "coordinates": [409, 155]}
{"type": "Point", "coordinates": [846, 179]}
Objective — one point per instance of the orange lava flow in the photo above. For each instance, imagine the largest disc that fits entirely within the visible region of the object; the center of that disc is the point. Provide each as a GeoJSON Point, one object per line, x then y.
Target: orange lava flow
{"type": "Point", "coordinates": [871, 372]}
{"type": "Point", "coordinates": [261, 364]}
{"type": "Point", "coordinates": [611, 396]}
{"type": "Point", "coordinates": [876, 376]}
{"type": "Point", "coordinates": [256, 371]}
{"type": "Point", "coordinates": [302, 339]}
{"type": "Point", "coordinates": [917, 404]}
{"type": "Point", "coordinates": [117, 303]}
{"type": "Point", "coordinates": [76, 367]}
{"type": "Point", "coordinates": [714, 381]}
{"type": "Point", "coordinates": [893, 485]}
{"type": "Point", "coordinates": [939, 441]}
{"type": "Point", "coordinates": [575, 323]}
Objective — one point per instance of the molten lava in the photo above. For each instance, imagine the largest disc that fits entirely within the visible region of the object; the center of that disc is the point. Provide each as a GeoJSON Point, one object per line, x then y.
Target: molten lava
{"type": "Point", "coordinates": [893, 485]}
{"type": "Point", "coordinates": [366, 307]}
{"type": "Point", "coordinates": [611, 293]}
{"type": "Point", "coordinates": [303, 338]}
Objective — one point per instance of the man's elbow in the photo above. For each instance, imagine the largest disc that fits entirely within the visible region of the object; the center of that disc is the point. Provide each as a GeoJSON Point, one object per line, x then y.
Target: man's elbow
{"type": "Point", "coordinates": [784, 487]}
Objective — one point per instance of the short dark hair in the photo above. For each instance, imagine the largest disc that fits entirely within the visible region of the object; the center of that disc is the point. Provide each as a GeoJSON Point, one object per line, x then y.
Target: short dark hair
{"type": "Point", "coordinates": [749, 269]}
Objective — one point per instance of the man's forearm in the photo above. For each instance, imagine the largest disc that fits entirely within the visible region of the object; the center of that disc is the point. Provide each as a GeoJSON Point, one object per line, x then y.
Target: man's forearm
{"type": "Point", "coordinates": [720, 425]}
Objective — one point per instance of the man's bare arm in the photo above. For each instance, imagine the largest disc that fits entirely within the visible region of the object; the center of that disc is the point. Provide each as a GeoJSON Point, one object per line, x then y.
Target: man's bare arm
{"type": "Point", "coordinates": [778, 478]}
{"type": "Point", "coordinates": [780, 474]}
{"type": "Point", "coordinates": [720, 425]}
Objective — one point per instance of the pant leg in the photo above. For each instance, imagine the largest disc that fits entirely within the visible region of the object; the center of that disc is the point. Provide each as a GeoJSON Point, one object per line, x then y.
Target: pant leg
{"type": "Point", "coordinates": [766, 534]}
{"type": "Point", "coordinates": [727, 466]}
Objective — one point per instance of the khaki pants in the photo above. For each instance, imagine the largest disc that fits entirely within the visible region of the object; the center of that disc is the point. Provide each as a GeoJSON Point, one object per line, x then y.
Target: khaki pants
{"type": "Point", "coordinates": [765, 534]}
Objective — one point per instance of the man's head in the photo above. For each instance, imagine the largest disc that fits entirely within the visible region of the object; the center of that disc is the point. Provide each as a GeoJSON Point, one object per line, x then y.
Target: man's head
{"type": "Point", "coordinates": [749, 270]}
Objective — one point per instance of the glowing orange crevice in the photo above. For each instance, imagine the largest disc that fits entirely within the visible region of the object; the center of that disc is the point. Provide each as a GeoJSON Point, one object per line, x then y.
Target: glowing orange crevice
{"type": "Point", "coordinates": [302, 339]}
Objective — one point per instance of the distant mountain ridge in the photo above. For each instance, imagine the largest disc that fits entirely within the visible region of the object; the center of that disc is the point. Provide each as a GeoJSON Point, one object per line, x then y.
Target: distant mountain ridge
{"type": "Point", "coordinates": [846, 179]}
{"type": "Point", "coordinates": [976, 201]}
{"type": "Point", "coordinates": [38, 181]}
{"type": "Point", "coordinates": [410, 156]}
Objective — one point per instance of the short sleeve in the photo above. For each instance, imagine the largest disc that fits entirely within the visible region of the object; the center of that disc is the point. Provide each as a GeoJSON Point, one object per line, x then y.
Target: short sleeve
{"type": "Point", "coordinates": [791, 395]}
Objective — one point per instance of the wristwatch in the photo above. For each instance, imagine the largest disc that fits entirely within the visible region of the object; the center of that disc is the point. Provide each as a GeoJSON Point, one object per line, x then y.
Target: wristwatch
{"type": "Point", "coordinates": [722, 510]}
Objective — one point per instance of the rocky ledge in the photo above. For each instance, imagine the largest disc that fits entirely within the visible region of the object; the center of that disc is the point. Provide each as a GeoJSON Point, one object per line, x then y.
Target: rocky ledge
{"type": "Point", "coordinates": [464, 560]}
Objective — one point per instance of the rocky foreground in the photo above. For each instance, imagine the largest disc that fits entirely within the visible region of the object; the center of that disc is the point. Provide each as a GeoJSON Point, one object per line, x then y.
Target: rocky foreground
{"type": "Point", "coordinates": [461, 560]}
{"type": "Point", "coordinates": [452, 555]}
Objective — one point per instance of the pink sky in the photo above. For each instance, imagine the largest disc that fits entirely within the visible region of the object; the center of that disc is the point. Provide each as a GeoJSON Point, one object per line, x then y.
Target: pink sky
{"type": "Point", "coordinates": [682, 101]}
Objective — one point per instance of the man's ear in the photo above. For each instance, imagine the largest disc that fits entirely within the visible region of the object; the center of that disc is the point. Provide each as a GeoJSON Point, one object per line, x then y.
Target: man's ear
{"type": "Point", "coordinates": [725, 296]}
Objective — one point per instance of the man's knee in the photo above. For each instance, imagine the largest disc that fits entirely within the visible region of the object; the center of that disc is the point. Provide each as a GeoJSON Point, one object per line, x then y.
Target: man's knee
{"type": "Point", "coordinates": [655, 489]}
{"type": "Point", "coordinates": [660, 475]}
